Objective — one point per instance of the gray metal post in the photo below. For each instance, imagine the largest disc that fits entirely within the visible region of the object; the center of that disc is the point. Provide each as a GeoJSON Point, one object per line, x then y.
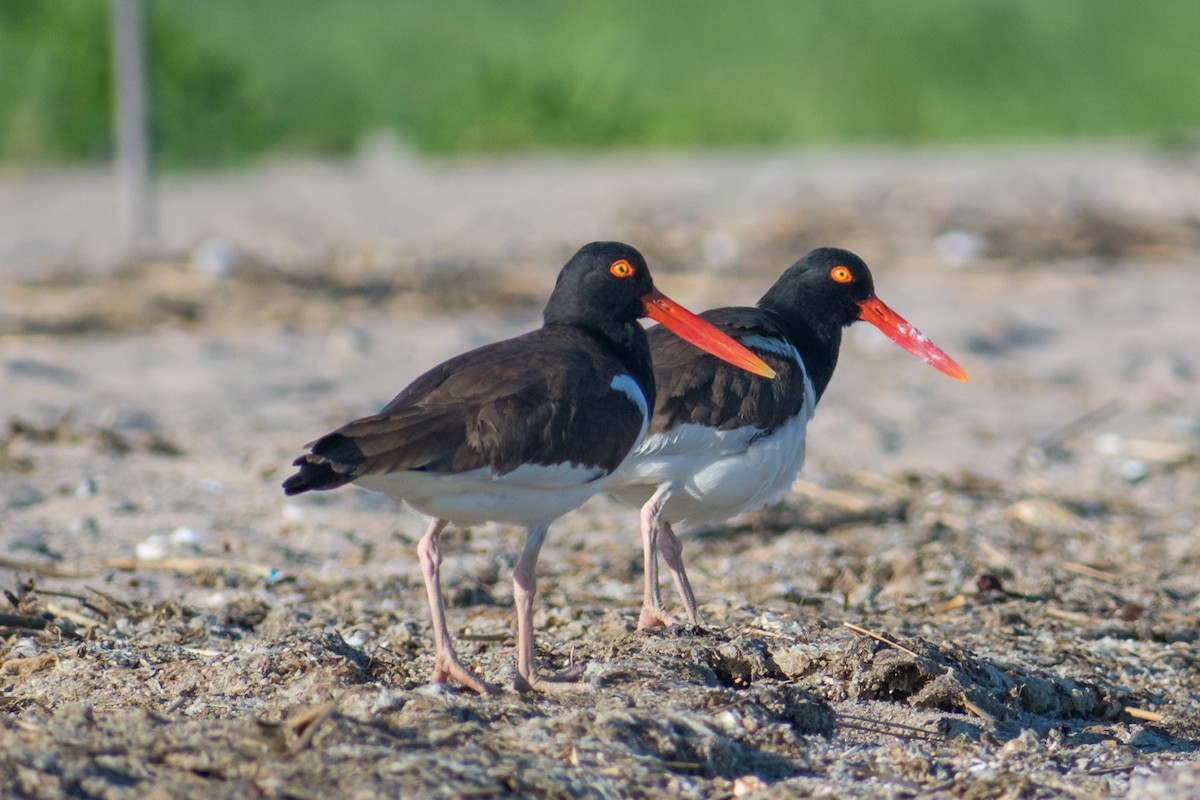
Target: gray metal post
{"type": "Point", "coordinates": [135, 197]}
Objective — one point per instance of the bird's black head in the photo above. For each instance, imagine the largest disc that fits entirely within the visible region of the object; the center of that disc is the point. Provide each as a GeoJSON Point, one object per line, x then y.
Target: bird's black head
{"type": "Point", "coordinates": [602, 285]}
{"type": "Point", "coordinates": [606, 287]}
{"type": "Point", "coordinates": [828, 287]}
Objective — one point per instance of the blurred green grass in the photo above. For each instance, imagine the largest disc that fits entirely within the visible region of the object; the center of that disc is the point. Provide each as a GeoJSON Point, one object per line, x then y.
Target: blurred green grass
{"type": "Point", "coordinates": [235, 79]}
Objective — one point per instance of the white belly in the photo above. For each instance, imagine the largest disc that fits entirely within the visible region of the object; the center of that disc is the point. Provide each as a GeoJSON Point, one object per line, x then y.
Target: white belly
{"type": "Point", "coordinates": [713, 475]}
{"type": "Point", "coordinates": [529, 495]}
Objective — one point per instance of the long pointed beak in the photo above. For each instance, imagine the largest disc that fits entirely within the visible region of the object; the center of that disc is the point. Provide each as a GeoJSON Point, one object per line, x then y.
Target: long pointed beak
{"type": "Point", "coordinates": [708, 338]}
{"type": "Point", "coordinates": [896, 328]}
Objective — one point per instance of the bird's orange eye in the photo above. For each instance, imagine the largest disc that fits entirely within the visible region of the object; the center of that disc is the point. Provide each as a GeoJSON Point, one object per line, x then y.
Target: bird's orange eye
{"type": "Point", "coordinates": [621, 268]}
{"type": "Point", "coordinates": [841, 274]}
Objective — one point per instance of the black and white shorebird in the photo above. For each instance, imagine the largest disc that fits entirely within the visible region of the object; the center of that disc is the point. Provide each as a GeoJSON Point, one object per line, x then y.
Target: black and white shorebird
{"type": "Point", "coordinates": [722, 441]}
{"type": "Point", "coordinates": [520, 431]}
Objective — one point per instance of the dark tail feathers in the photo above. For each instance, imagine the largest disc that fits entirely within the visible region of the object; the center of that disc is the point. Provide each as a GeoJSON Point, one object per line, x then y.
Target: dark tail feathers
{"type": "Point", "coordinates": [314, 476]}
{"type": "Point", "coordinates": [330, 465]}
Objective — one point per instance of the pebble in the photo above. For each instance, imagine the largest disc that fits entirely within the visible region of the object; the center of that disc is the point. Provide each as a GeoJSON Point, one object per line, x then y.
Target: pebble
{"type": "Point", "coordinates": [293, 512]}
{"type": "Point", "coordinates": [960, 247]}
{"type": "Point", "coordinates": [151, 548]}
{"type": "Point", "coordinates": [157, 546]}
{"type": "Point", "coordinates": [24, 647]}
{"type": "Point", "coordinates": [215, 258]}
{"type": "Point", "coordinates": [186, 537]}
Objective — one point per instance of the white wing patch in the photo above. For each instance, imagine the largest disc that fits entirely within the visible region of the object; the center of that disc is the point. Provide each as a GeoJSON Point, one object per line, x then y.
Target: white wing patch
{"type": "Point", "coordinates": [772, 345]}
{"type": "Point", "coordinates": [631, 389]}
{"type": "Point", "coordinates": [810, 396]}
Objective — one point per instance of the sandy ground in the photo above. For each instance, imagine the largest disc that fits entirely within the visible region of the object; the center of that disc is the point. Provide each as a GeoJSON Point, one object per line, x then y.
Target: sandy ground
{"type": "Point", "coordinates": [1017, 555]}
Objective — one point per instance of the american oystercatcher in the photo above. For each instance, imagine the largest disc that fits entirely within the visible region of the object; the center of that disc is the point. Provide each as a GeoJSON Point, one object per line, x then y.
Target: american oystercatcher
{"type": "Point", "coordinates": [520, 431]}
{"type": "Point", "coordinates": [722, 441]}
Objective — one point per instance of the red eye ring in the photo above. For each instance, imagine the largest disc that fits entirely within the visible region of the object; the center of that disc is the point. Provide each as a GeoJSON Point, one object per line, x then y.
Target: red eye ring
{"type": "Point", "coordinates": [841, 274]}
{"type": "Point", "coordinates": [621, 268]}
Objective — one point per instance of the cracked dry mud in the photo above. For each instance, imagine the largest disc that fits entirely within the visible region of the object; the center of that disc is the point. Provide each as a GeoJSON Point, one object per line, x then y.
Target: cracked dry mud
{"type": "Point", "coordinates": [986, 590]}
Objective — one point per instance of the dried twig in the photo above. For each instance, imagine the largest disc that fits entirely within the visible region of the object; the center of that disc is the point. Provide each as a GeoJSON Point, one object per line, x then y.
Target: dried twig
{"type": "Point", "coordinates": [1072, 616]}
{"type": "Point", "coordinates": [956, 602]}
{"type": "Point", "coordinates": [1112, 770]}
{"type": "Point", "coordinates": [898, 729]}
{"type": "Point", "coordinates": [883, 639]}
{"type": "Point", "coordinates": [188, 565]}
{"type": "Point", "coordinates": [202, 652]}
{"type": "Point", "coordinates": [481, 791]}
{"type": "Point", "coordinates": [1143, 713]}
{"type": "Point", "coordinates": [73, 617]}
{"type": "Point", "coordinates": [1091, 572]}
{"type": "Point", "coordinates": [997, 557]}
{"type": "Point", "coordinates": [976, 710]}
{"type": "Point", "coordinates": [888, 511]}
{"type": "Point", "coordinates": [880, 483]}
{"type": "Point", "coordinates": [45, 570]}
{"type": "Point", "coordinates": [84, 601]}
{"type": "Point", "coordinates": [308, 721]}
{"type": "Point", "coordinates": [22, 621]}
{"type": "Point", "coordinates": [485, 637]}
{"type": "Point", "coordinates": [1168, 453]}
{"type": "Point", "coordinates": [769, 634]}
{"type": "Point", "coordinates": [832, 497]}
{"type": "Point", "coordinates": [115, 603]}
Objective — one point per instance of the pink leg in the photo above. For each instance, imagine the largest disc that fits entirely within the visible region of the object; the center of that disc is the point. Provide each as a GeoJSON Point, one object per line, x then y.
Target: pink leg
{"type": "Point", "coordinates": [446, 664]}
{"type": "Point", "coordinates": [672, 550]}
{"type": "Point", "coordinates": [653, 614]}
{"type": "Point", "coordinates": [524, 591]}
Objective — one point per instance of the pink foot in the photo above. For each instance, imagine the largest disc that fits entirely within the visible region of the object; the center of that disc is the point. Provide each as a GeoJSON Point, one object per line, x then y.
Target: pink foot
{"type": "Point", "coordinates": [448, 668]}
{"type": "Point", "coordinates": [649, 618]}
{"type": "Point", "coordinates": [569, 680]}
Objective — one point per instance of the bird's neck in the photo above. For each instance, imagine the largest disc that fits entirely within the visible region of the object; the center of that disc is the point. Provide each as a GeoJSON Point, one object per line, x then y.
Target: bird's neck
{"type": "Point", "coordinates": [628, 344]}
{"type": "Point", "coordinates": [818, 343]}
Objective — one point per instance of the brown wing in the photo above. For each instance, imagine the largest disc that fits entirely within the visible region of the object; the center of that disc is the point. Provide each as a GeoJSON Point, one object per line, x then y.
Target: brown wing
{"type": "Point", "coordinates": [694, 387]}
{"type": "Point", "coordinates": [542, 398]}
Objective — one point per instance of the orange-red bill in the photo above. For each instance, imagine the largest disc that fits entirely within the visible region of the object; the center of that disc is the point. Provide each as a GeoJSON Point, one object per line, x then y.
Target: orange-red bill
{"type": "Point", "coordinates": [693, 329]}
{"type": "Point", "coordinates": [896, 328]}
